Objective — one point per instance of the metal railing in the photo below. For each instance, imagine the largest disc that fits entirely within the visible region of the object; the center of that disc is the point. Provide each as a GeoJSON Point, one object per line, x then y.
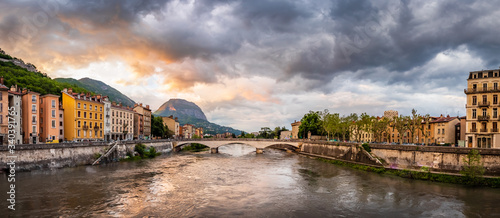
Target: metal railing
{"type": "Point", "coordinates": [484, 104]}
{"type": "Point", "coordinates": [483, 118]}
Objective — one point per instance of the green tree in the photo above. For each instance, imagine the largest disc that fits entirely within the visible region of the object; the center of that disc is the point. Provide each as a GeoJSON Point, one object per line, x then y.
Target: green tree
{"type": "Point", "coordinates": [265, 132]}
{"type": "Point", "coordinates": [311, 122]}
{"type": "Point", "coordinates": [157, 127]}
{"type": "Point", "coordinates": [379, 128]}
{"type": "Point", "coordinates": [414, 123]}
{"type": "Point", "coordinates": [473, 170]}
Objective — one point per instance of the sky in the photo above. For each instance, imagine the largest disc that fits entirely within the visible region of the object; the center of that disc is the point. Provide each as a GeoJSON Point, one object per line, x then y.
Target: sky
{"type": "Point", "coordinates": [264, 63]}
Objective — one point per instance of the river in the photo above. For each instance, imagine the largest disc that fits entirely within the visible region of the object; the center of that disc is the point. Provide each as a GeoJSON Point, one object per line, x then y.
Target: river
{"type": "Point", "coordinates": [238, 182]}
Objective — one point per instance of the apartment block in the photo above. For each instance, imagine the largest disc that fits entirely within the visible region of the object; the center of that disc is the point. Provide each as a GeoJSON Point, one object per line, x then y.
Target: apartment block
{"type": "Point", "coordinates": [30, 117]}
{"type": "Point", "coordinates": [49, 118]}
{"type": "Point", "coordinates": [122, 122]}
{"type": "Point", "coordinates": [482, 109]}
{"type": "Point", "coordinates": [172, 124]}
{"type": "Point", "coordinates": [295, 129]}
{"type": "Point", "coordinates": [142, 122]}
{"type": "Point", "coordinates": [15, 105]}
{"type": "Point", "coordinates": [83, 116]}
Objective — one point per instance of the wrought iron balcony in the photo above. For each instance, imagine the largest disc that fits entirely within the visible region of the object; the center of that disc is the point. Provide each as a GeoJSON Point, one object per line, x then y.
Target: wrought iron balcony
{"type": "Point", "coordinates": [483, 118]}
{"type": "Point", "coordinates": [484, 130]}
{"type": "Point", "coordinates": [494, 130]}
{"type": "Point", "coordinates": [484, 104]}
{"type": "Point", "coordinates": [481, 90]}
{"type": "Point", "coordinates": [96, 128]}
{"type": "Point", "coordinates": [85, 127]}
{"type": "Point", "coordinates": [473, 130]}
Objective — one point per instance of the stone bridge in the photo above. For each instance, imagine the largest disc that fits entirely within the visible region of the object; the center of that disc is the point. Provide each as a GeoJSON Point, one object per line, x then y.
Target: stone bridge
{"type": "Point", "coordinates": [258, 144]}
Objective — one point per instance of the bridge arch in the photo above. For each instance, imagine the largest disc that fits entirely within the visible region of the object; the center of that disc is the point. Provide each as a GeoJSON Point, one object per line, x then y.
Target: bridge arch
{"type": "Point", "coordinates": [214, 144]}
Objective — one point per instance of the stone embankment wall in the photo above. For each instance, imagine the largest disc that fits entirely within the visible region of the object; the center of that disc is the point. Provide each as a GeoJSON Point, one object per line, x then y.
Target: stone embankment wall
{"type": "Point", "coordinates": [39, 156]}
{"type": "Point", "coordinates": [441, 159]}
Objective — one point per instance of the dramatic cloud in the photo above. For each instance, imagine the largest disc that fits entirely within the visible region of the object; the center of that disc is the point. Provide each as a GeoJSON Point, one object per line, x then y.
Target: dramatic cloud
{"type": "Point", "coordinates": [264, 63]}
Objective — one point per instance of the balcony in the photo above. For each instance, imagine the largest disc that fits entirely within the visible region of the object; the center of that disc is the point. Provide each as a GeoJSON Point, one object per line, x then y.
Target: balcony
{"type": "Point", "coordinates": [484, 104]}
{"type": "Point", "coordinates": [473, 130]}
{"type": "Point", "coordinates": [85, 127]}
{"type": "Point", "coordinates": [494, 130]}
{"type": "Point", "coordinates": [107, 116]}
{"type": "Point", "coordinates": [96, 128]}
{"type": "Point", "coordinates": [483, 118]}
{"type": "Point", "coordinates": [483, 130]}
{"type": "Point", "coordinates": [481, 90]}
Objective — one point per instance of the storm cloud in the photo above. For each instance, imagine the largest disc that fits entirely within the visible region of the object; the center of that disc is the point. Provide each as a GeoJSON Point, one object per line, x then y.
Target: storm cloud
{"type": "Point", "coordinates": [316, 47]}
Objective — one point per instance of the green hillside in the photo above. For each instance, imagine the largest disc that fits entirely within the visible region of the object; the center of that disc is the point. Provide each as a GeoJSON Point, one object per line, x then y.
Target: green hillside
{"type": "Point", "coordinates": [35, 81]}
{"type": "Point", "coordinates": [101, 88]}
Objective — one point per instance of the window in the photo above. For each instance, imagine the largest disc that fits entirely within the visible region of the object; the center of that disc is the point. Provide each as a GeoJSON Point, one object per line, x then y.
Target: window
{"type": "Point", "coordinates": [90, 107]}
{"type": "Point", "coordinates": [84, 106]}
{"type": "Point", "coordinates": [60, 124]}
{"type": "Point", "coordinates": [84, 114]}
{"type": "Point", "coordinates": [100, 133]}
{"type": "Point", "coordinates": [95, 124]}
{"type": "Point", "coordinates": [95, 116]}
{"type": "Point", "coordinates": [33, 108]}
{"type": "Point", "coordinates": [84, 133]}
{"type": "Point", "coordinates": [78, 104]}
{"type": "Point", "coordinates": [33, 119]}
{"type": "Point", "coordinates": [90, 134]}
{"type": "Point", "coordinates": [78, 124]}
{"type": "Point", "coordinates": [495, 99]}
{"type": "Point", "coordinates": [96, 108]}
{"type": "Point", "coordinates": [85, 123]}
{"type": "Point", "coordinates": [53, 124]}
{"type": "Point", "coordinates": [474, 126]}
{"type": "Point", "coordinates": [33, 128]}
{"type": "Point", "coordinates": [90, 115]}
{"type": "Point", "coordinates": [474, 86]}
{"type": "Point", "coordinates": [53, 103]}
{"type": "Point", "coordinates": [442, 131]}
{"type": "Point", "coordinates": [33, 98]}
{"type": "Point", "coordinates": [90, 125]}
{"type": "Point", "coordinates": [484, 112]}
{"type": "Point", "coordinates": [495, 113]}
{"type": "Point", "coordinates": [495, 127]}
{"type": "Point", "coordinates": [474, 100]}
{"type": "Point", "coordinates": [78, 133]}
{"type": "Point", "coordinates": [60, 115]}
{"type": "Point", "coordinates": [473, 113]}
{"type": "Point", "coordinates": [485, 86]}
{"type": "Point", "coordinates": [41, 120]}
{"type": "Point", "coordinates": [485, 99]}
{"type": "Point", "coordinates": [100, 125]}
{"type": "Point", "coordinates": [54, 113]}
{"type": "Point", "coordinates": [495, 86]}
{"type": "Point", "coordinates": [439, 131]}
{"type": "Point", "coordinates": [60, 132]}
{"type": "Point", "coordinates": [100, 116]}
{"type": "Point", "coordinates": [100, 108]}
{"type": "Point", "coordinates": [1, 119]}
{"type": "Point", "coordinates": [79, 114]}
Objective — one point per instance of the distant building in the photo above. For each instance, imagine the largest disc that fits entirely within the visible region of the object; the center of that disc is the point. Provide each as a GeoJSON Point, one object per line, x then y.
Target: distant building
{"type": "Point", "coordinates": [390, 114]}
{"type": "Point", "coordinates": [482, 109]}
{"type": "Point", "coordinates": [199, 132]}
{"type": "Point", "coordinates": [142, 122]}
{"type": "Point", "coordinates": [295, 129]}
{"type": "Point", "coordinates": [286, 135]}
{"type": "Point", "coordinates": [172, 124]}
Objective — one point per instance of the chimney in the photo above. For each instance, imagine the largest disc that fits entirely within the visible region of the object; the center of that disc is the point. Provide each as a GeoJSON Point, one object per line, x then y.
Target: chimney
{"type": "Point", "coordinates": [147, 106]}
{"type": "Point", "coordinates": [140, 104]}
{"type": "Point", "coordinates": [70, 91]}
{"type": "Point", "coordinates": [13, 88]}
{"type": "Point", "coordinates": [135, 105]}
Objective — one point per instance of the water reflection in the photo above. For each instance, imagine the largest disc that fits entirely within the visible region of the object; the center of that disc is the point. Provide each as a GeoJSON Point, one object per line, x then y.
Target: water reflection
{"type": "Point", "coordinates": [239, 182]}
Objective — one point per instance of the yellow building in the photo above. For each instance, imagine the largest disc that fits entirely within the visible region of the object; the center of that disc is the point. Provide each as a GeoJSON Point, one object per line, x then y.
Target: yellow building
{"type": "Point", "coordinates": [482, 118]}
{"type": "Point", "coordinates": [83, 116]}
{"type": "Point", "coordinates": [172, 124]}
{"type": "Point", "coordinates": [295, 129]}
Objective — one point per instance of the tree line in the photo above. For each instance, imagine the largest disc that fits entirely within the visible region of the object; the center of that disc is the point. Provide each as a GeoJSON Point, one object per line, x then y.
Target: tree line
{"type": "Point", "coordinates": [352, 126]}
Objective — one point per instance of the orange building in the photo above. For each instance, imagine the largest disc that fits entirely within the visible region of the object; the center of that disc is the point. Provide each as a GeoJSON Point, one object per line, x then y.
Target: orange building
{"type": "Point", "coordinates": [30, 114]}
{"type": "Point", "coordinates": [49, 118]}
{"type": "Point", "coordinates": [4, 104]}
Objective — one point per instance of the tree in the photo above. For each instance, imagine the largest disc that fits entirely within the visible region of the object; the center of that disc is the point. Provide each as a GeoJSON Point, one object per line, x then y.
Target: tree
{"type": "Point", "coordinates": [157, 127]}
{"type": "Point", "coordinates": [379, 128]}
{"type": "Point", "coordinates": [426, 120]}
{"type": "Point", "coordinates": [414, 124]}
{"type": "Point", "coordinates": [265, 132]}
{"type": "Point", "coordinates": [400, 123]}
{"type": "Point", "coordinates": [311, 122]}
{"type": "Point", "coordinates": [473, 170]}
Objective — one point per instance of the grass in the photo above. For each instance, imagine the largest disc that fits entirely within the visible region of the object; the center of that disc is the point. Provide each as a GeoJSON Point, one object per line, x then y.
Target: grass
{"type": "Point", "coordinates": [424, 174]}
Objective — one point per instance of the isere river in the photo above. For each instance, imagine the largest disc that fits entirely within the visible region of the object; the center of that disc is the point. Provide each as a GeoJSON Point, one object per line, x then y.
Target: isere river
{"type": "Point", "coordinates": [237, 182]}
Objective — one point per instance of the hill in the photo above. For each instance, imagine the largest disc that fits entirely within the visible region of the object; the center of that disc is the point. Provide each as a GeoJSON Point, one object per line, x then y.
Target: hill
{"type": "Point", "coordinates": [99, 87]}
{"type": "Point", "coordinates": [189, 113]}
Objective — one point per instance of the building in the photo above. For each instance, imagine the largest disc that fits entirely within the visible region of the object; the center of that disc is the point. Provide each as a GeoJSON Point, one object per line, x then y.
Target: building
{"type": "Point", "coordinates": [188, 131]}
{"type": "Point", "coordinates": [445, 129]}
{"type": "Point", "coordinates": [61, 123]}
{"type": "Point", "coordinates": [142, 122]}
{"type": "Point", "coordinates": [107, 118]}
{"type": "Point", "coordinates": [49, 118]}
{"type": "Point", "coordinates": [482, 109]}
{"type": "Point", "coordinates": [295, 129]}
{"type": "Point", "coordinates": [172, 125]}
{"type": "Point", "coordinates": [15, 104]}
{"type": "Point", "coordinates": [83, 116]}
{"type": "Point", "coordinates": [286, 135]}
{"type": "Point", "coordinates": [390, 114]}
{"type": "Point", "coordinates": [198, 132]}
{"type": "Point", "coordinates": [30, 117]}
{"type": "Point", "coordinates": [122, 122]}
{"type": "Point", "coordinates": [4, 111]}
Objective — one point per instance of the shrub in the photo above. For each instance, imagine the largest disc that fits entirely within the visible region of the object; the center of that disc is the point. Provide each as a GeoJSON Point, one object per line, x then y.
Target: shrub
{"type": "Point", "coordinates": [473, 170]}
{"type": "Point", "coordinates": [140, 149]}
{"type": "Point", "coordinates": [366, 147]}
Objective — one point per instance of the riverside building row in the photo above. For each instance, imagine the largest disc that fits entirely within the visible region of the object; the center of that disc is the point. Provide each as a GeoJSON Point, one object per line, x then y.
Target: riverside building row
{"type": "Point", "coordinates": [36, 118]}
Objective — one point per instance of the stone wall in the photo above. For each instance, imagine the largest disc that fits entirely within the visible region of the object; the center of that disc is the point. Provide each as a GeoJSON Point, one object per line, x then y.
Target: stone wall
{"type": "Point", "coordinates": [39, 156]}
{"type": "Point", "coordinates": [442, 159]}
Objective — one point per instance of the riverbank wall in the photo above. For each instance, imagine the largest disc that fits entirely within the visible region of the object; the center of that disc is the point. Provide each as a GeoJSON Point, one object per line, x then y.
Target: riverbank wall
{"type": "Point", "coordinates": [58, 155]}
{"type": "Point", "coordinates": [437, 159]}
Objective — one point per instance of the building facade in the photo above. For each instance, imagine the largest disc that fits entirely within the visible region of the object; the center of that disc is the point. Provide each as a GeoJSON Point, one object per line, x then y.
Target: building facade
{"type": "Point", "coordinates": [61, 123]}
{"type": "Point", "coordinates": [30, 117]}
{"type": "Point", "coordinates": [15, 104]}
{"type": "Point", "coordinates": [49, 118]}
{"type": "Point", "coordinates": [83, 116]}
{"type": "Point", "coordinates": [107, 118]}
{"type": "Point", "coordinates": [482, 109]}
{"type": "Point", "coordinates": [172, 124]}
{"type": "Point", "coordinates": [122, 122]}
{"type": "Point", "coordinates": [295, 129]}
{"type": "Point", "coordinates": [142, 122]}
{"type": "Point", "coordinates": [4, 111]}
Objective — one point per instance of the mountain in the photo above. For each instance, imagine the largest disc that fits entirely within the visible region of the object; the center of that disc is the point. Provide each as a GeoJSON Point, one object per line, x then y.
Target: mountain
{"type": "Point", "coordinates": [189, 113]}
{"type": "Point", "coordinates": [101, 88]}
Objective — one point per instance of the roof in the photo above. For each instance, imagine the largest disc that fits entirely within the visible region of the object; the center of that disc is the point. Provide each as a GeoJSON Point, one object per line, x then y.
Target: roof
{"type": "Point", "coordinates": [3, 87]}
{"type": "Point", "coordinates": [443, 119]}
